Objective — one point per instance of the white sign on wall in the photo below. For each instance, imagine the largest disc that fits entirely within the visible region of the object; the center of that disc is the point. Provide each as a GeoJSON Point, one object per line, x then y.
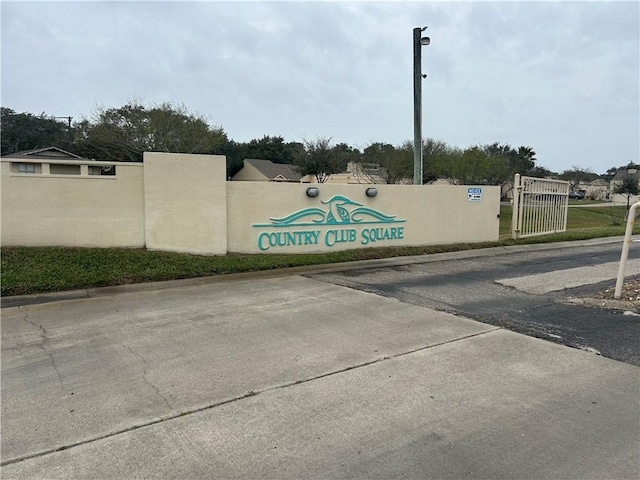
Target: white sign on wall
{"type": "Point", "coordinates": [474, 194]}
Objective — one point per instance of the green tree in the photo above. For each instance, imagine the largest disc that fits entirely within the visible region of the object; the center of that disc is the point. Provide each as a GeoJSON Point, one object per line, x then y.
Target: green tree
{"type": "Point", "coordinates": [392, 166]}
{"type": "Point", "coordinates": [235, 152]}
{"type": "Point", "coordinates": [434, 152]}
{"type": "Point", "coordinates": [472, 166]}
{"type": "Point", "coordinates": [577, 175]}
{"type": "Point", "coordinates": [25, 131]}
{"type": "Point", "coordinates": [541, 172]}
{"type": "Point", "coordinates": [125, 133]}
{"type": "Point", "coordinates": [507, 161]}
{"type": "Point", "coordinates": [273, 148]}
{"type": "Point", "coordinates": [629, 187]}
{"type": "Point", "coordinates": [319, 159]}
{"type": "Point", "coordinates": [347, 153]}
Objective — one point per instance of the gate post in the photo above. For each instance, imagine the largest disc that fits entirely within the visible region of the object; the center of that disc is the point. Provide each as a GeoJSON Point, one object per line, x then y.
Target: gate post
{"type": "Point", "coordinates": [625, 250]}
{"type": "Point", "coordinates": [515, 210]}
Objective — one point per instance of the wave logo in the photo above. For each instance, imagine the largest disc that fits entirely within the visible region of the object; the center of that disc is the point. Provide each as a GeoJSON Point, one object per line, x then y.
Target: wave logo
{"type": "Point", "coordinates": [340, 211]}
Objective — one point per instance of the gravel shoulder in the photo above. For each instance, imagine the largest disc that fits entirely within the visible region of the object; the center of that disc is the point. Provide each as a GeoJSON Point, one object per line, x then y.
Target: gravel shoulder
{"type": "Point", "coordinates": [629, 300]}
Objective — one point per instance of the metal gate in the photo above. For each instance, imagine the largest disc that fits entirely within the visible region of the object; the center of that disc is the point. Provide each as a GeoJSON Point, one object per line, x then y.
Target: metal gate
{"type": "Point", "coordinates": [539, 206]}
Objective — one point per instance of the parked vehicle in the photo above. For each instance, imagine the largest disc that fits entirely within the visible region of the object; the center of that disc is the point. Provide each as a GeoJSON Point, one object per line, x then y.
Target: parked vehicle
{"type": "Point", "coordinates": [579, 195]}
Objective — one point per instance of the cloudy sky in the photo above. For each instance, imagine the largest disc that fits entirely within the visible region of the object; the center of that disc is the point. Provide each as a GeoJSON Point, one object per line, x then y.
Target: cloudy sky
{"type": "Point", "coordinates": [561, 77]}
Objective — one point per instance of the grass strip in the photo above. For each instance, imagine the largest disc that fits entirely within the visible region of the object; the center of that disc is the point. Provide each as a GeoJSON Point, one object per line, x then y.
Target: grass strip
{"type": "Point", "coordinates": [28, 270]}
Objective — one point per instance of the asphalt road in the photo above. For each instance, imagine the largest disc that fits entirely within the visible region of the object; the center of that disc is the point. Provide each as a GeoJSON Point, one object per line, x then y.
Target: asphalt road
{"type": "Point", "coordinates": [288, 376]}
{"type": "Point", "coordinates": [534, 292]}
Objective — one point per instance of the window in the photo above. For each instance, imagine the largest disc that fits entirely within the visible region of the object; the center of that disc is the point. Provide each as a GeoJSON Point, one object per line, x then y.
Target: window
{"type": "Point", "coordinates": [62, 169]}
{"type": "Point", "coordinates": [26, 168]}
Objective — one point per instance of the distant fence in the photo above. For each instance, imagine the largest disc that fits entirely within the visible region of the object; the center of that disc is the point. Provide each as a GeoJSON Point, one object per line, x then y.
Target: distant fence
{"type": "Point", "coordinates": [539, 206]}
{"type": "Point", "coordinates": [183, 203]}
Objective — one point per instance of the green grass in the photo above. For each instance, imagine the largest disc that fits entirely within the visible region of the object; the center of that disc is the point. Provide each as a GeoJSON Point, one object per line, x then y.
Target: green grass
{"type": "Point", "coordinates": [27, 270]}
{"type": "Point", "coordinates": [577, 218]}
{"type": "Point", "coordinates": [584, 201]}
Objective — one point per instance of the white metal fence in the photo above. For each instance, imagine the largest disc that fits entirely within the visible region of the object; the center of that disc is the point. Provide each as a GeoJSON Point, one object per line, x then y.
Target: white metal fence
{"type": "Point", "coordinates": [539, 206]}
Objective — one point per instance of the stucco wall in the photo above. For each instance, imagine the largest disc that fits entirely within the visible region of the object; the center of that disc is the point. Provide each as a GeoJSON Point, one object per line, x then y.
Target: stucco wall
{"type": "Point", "coordinates": [415, 215]}
{"type": "Point", "coordinates": [185, 203]}
{"type": "Point", "coordinates": [73, 210]}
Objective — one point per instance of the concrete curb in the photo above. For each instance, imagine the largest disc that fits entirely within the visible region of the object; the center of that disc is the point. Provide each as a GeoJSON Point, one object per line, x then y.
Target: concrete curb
{"type": "Point", "coordinates": [39, 298]}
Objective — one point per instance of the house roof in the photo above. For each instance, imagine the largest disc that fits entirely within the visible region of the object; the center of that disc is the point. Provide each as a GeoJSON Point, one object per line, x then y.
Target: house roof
{"type": "Point", "coordinates": [274, 171]}
{"type": "Point", "coordinates": [622, 173]}
{"type": "Point", "coordinates": [599, 182]}
{"type": "Point", "coordinates": [48, 153]}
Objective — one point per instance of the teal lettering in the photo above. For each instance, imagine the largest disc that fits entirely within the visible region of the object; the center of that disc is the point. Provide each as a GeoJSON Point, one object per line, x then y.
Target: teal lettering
{"type": "Point", "coordinates": [267, 240]}
{"type": "Point", "coordinates": [343, 235]}
{"type": "Point", "coordinates": [365, 236]}
{"type": "Point", "coordinates": [261, 237]}
{"type": "Point", "coordinates": [369, 235]}
{"type": "Point", "coordinates": [328, 242]}
{"type": "Point", "coordinates": [315, 234]}
{"type": "Point", "coordinates": [291, 238]}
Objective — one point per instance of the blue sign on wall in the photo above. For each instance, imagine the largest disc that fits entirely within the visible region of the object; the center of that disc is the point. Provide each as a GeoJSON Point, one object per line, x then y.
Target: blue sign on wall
{"type": "Point", "coordinates": [474, 194]}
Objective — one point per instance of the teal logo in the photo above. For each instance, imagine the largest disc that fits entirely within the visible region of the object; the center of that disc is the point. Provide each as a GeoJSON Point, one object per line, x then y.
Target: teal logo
{"type": "Point", "coordinates": [340, 212]}
{"type": "Point", "coordinates": [337, 213]}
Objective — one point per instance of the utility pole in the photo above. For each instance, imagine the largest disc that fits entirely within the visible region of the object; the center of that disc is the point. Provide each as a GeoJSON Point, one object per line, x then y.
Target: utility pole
{"type": "Point", "coordinates": [68, 119]}
{"type": "Point", "coordinates": [418, 42]}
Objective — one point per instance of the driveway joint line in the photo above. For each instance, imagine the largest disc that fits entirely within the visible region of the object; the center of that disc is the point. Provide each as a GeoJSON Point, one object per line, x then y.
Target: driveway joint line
{"type": "Point", "coordinates": [241, 397]}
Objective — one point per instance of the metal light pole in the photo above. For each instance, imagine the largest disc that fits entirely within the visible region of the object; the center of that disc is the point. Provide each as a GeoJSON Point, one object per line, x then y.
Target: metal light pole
{"type": "Point", "coordinates": [418, 42]}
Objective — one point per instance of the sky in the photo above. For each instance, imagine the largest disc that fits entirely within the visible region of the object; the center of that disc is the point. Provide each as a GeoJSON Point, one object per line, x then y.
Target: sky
{"type": "Point", "coordinates": [560, 77]}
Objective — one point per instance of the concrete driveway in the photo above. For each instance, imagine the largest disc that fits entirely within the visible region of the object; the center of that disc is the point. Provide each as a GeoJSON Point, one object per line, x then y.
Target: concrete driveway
{"type": "Point", "coordinates": [289, 377]}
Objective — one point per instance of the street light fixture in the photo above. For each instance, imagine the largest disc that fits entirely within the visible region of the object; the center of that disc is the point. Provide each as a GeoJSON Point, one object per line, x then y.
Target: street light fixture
{"type": "Point", "coordinates": [418, 42]}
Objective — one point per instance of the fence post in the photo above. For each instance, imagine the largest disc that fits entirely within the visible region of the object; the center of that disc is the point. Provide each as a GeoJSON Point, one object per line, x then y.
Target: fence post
{"type": "Point", "coordinates": [625, 250]}
{"type": "Point", "coordinates": [517, 188]}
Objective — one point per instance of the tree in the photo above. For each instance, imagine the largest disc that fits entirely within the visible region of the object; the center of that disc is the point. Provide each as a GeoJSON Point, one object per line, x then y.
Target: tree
{"type": "Point", "coordinates": [541, 172]}
{"type": "Point", "coordinates": [392, 167]}
{"type": "Point", "coordinates": [125, 133]}
{"type": "Point", "coordinates": [577, 175]}
{"type": "Point", "coordinates": [24, 131]}
{"type": "Point", "coordinates": [629, 187]}
{"type": "Point", "coordinates": [518, 160]}
{"type": "Point", "coordinates": [235, 152]}
{"type": "Point", "coordinates": [347, 153]}
{"type": "Point", "coordinates": [273, 148]}
{"type": "Point", "coordinates": [472, 166]}
{"type": "Point", "coordinates": [434, 152]}
{"type": "Point", "coordinates": [319, 159]}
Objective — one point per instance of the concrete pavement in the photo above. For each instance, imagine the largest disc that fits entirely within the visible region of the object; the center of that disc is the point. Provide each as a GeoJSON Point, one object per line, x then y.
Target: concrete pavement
{"type": "Point", "coordinates": [286, 377]}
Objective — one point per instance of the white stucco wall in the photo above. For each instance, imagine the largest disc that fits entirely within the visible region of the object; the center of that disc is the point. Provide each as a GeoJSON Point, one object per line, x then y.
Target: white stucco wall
{"type": "Point", "coordinates": [182, 203]}
{"type": "Point", "coordinates": [185, 203]}
{"type": "Point", "coordinates": [72, 210]}
{"type": "Point", "coordinates": [432, 215]}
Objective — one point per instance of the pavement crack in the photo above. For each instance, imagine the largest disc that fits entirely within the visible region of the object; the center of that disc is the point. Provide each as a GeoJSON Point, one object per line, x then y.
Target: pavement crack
{"type": "Point", "coordinates": [251, 393]}
{"type": "Point", "coordinates": [146, 380]}
{"type": "Point", "coordinates": [43, 346]}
